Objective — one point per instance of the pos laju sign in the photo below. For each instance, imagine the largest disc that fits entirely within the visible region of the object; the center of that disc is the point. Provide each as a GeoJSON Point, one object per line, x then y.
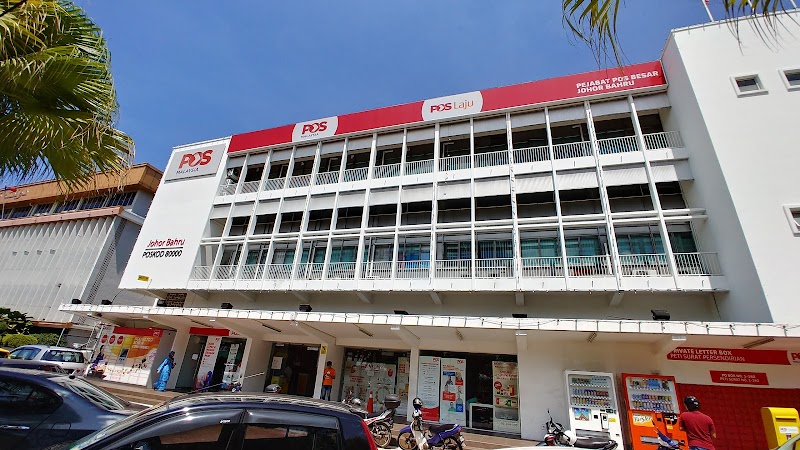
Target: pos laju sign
{"type": "Point", "coordinates": [197, 162]}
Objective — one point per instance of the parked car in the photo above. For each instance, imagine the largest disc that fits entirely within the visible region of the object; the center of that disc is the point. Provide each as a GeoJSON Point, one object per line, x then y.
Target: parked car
{"type": "Point", "coordinates": [34, 365]}
{"type": "Point", "coordinates": [68, 359]}
{"type": "Point", "coordinates": [236, 421]}
{"type": "Point", "coordinates": [39, 409]}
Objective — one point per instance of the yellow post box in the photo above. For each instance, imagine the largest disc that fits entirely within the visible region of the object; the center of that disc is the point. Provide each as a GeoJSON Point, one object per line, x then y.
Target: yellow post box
{"type": "Point", "coordinates": [780, 424]}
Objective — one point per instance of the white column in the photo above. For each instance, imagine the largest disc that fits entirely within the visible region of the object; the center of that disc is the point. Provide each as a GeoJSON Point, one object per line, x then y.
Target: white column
{"type": "Point", "coordinates": [435, 203]}
{"type": "Point", "coordinates": [556, 197]}
{"type": "Point", "coordinates": [179, 344]}
{"type": "Point", "coordinates": [413, 377]}
{"type": "Point", "coordinates": [365, 211]}
{"type": "Point", "coordinates": [255, 364]}
{"type": "Point", "coordinates": [516, 250]}
{"type": "Point", "coordinates": [399, 218]}
{"type": "Point", "coordinates": [472, 202]}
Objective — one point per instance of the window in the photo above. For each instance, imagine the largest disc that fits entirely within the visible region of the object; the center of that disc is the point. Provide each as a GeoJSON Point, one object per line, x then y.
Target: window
{"type": "Point", "coordinates": [94, 202]}
{"type": "Point", "coordinates": [457, 250]}
{"type": "Point", "coordinates": [748, 85]}
{"type": "Point", "coordinates": [289, 437]}
{"type": "Point", "coordinates": [19, 397]}
{"type": "Point", "coordinates": [69, 205]}
{"type": "Point", "coordinates": [27, 353]}
{"type": "Point", "coordinates": [540, 248]}
{"type": "Point", "coordinates": [122, 199]}
{"type": "Point", "coordinates": [791, 78]}
{"type": "Point", "coordinates": [63, 356]}
{"type": "Point", "coordinates": [42, 209]}
{"type": "Point", "coordinates": [20, 212]}
{"type": "Point", "coordinates": [494, 249]}
{"type": "Point", "coordinates": [793, 215]}
{"type": "Point", "coordinates": [95, 395]}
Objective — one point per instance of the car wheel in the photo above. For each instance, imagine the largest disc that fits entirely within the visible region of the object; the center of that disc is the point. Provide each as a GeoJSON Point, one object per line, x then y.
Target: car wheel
{"type": "Point", "coordinates": [382, 435]}
{"type": "Point", "coordinates": [406, 441]}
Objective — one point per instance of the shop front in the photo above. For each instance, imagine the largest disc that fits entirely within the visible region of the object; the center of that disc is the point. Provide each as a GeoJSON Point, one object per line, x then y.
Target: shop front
{"type": "Point", "coordinates": [128, 355]}
{"type": "Point", "coordinates": [369, 375]}
{"type": "Point", "coordinates": [294, 368]}
{"type": "Point", "coordinates": [212, 360]}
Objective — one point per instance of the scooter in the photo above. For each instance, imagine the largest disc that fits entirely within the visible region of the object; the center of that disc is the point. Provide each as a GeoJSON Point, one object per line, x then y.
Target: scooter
{"type": "Point", "coordinates": [557, 435]}
{"type": "Point", "coordinates": [445, 436]}
{"type": "Point", "coordinates": [380, 423]}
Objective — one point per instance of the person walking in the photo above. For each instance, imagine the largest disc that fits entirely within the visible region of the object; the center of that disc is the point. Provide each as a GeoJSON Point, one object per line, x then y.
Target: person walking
{"type": "Point", "coordinates": [698, 426]}
{"type": "Point", "coordinates": [164, 371]}
{"type": "Point", "coordinates": [328, 375]}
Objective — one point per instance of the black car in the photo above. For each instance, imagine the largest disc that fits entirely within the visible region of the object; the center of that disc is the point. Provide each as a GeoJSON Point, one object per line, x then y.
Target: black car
{"type": "Point", "coordinates": [236, 421]}
{"type": "Point", "coordinates": [39, 409]}
{"type": "Point", "coordinates": [35, 365]}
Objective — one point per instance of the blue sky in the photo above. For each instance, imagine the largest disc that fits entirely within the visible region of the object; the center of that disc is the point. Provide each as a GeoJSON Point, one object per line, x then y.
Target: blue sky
{"type": "Point", "coordinates": [188, 71]}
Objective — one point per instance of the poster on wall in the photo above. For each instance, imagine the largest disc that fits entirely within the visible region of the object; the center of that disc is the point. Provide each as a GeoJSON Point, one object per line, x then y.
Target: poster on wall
{"type": "Point", "coordinates": [364, 378]}
{"type": "Point", "coordinates": [402, 383]}
{"type": "Point", "coordinates": [206, 368]}
{"type": "Point", "coordinates": [451, 408]}
{"type": "Point", "coordinates": [428, 386]}
{"type": "Point", "coordinates": [231, 373]}
{"type": "Point", "coordinates": [506, 396]}
{"type": "Point", "coordinates": [125, 355]}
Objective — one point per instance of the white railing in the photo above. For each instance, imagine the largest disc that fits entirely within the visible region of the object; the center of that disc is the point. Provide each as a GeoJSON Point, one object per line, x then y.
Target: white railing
{"type": "Point", "coordinates": [589, 266]}
{"type": "Point", "coordinates": [278, 271]}
{"type": "Point", "coordinates": [542, 267]}
{"type": "Point", "coordinates": [492, 159]}
{"type": "Point", "coordinates": [572, 150]}
{"type": "Point", "coordinates": [376, 269]}
{"type": "Point", "coordinates": [252, 271]}
{"type": "Point", "coordinates": [274, 184]}
{"type": "Point", "coordinates": [454, 268]}
{"type": "Point", "coordinates": [454, 163]}
{"type": "Point", "coordinates": [355, 174]}
{"type": "Point", "coordinates": [644, 265]}
{"type": "Point", "coordinates": [226, 272]}
{"type": "Point", "coordinates": [697, 264]}
{"type": "Point", "coordinates": [418, 167]}
{"type": "Point", "coordinates": [386, 171]}
{"type": "Point", "coordinates": [227, 189]}
{"type": "Point", "coordinates": [327, 178]}
{"type": "Point", "coordinates": [250, 187]}
{"type": "Point", "coordinates": [413, 269]}
{"type": "Point", "coordinates": [310, 271]}
{"type": "Point", "coordinates": [494, 268]}
{"type": "Point", "coordinates": [665, 139]}
{"type": "Point", "coordinates": [342, 271]}
{"type": "Point", "coordinates": [200, 273]}
{"type": "Point", "coordinates": [299, 181]}
{"type": "Point", "coordinates": [623, 144]}
{"type": "Point", "coordinates": [531, 154]}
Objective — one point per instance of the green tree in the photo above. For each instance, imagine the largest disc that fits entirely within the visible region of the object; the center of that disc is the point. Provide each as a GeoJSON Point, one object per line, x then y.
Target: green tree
{"type": "Point", "coordinates": [14, 321]}
{"type": "Point", "coordinates": [58, 105]}
{"type": "Point", "coordinates": [595, 21]}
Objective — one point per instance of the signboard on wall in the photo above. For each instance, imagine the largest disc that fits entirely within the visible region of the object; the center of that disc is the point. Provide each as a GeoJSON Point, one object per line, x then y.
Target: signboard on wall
{"type": "Point", "coordinates": [126, 355]}
{"type": "Point", "coordinates": [505, 381]}
{"type": "Point", "coordinates": [733, 355]}
{"type": "Point", "coordinates": [175, 299]}
{"type": "Point", "coordinates": [196, 162]}
{"type": "Point", "coordinates": [428, 386]}
{"type": "Point", "coordinates": [402, 382]}
{"type": "Point", "coordinates": [730, 377]}
{"type": "Point", "coordinates": [452, 406]}
{"type": "Point", "coordinates": [206, 368]}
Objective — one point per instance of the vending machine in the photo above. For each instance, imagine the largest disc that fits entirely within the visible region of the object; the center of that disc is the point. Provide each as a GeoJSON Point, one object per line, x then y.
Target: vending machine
{"type": "Point", "coordinates": [653, 403]}
{"type": "Point", "coordinates": [593, 408]}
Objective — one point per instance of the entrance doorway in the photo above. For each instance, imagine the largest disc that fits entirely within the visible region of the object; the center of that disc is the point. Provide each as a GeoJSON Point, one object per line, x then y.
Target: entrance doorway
{"type": "Point", "coordinates": [294, 368]}
{"type": "Point", "coordinates": [190, 364]}
{"type": "Point", "coordinates": [211, 363]}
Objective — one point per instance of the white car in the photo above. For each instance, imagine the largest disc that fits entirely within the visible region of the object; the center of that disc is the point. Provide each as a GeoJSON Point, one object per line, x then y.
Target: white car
{"type": "Point", "coordinates": [72, 361]}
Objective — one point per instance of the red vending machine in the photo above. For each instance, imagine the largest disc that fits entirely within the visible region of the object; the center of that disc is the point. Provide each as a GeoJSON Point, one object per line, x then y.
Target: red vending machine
{"type": "Point", "coordinates": [652, 402]}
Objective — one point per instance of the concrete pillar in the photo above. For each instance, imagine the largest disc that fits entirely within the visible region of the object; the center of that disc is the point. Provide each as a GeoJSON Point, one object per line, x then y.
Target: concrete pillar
{"type": "Point", "coordinates": [335, 354]}
{"type": "Point", "coordinates": [179, 344]}
{"type": "Point", "coordinates": [413, 375]}
{"type": "Point", "coordinates": [255, 364]}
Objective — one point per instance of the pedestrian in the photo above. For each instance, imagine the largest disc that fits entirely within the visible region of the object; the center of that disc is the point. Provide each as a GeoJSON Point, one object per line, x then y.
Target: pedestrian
{"type": "Point", "coordinates": [698, 426]}
{"type": "Point", "coordinates": [328, 375]}
{"type": "Point", "coordinates": [164, 370]}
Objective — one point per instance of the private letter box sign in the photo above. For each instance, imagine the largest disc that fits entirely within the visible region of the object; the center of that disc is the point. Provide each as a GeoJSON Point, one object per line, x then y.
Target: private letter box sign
{"type": "Point", "coordinates": [734, 355]}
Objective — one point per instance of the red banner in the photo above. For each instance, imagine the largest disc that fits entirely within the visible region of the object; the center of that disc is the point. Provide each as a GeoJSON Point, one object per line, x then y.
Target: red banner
{"type": "Point", "coordinates": [754, 378]}
{"type": "Point", "coordinates": [730, 355]}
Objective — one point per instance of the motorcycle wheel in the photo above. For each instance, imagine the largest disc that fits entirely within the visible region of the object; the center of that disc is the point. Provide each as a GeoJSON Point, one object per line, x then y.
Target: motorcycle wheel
{"type": "Point", "coordinates": [382, 435]}
{"type": "Point", "coordinates": [451, 444]}
{"type": "Point", "coordinates": [406, 441]}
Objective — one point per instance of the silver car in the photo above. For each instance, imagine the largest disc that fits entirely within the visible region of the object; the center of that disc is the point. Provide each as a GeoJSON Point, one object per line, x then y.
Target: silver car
{"type": "Point", "coordinates": [71, 360]}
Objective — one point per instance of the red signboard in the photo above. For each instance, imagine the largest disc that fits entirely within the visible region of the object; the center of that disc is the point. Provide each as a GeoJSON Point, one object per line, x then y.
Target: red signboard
{"type": "Point", "coordinates": [582, 85]}
{"type": "Point", "coordinates": [202, 331]}
{"type": "Point", "coordinates": [754, 378]}
{"type": "Point", "coordinates": [730, 355]}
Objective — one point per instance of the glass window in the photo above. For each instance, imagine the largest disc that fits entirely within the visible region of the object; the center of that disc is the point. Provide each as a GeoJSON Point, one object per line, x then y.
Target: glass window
{"type": "Point", "coordinates": [19, 397]}
{"type": "Point", "coordinates": [748, 84]}
{"type": "Point", "coordinates": [682, 242]}
{"type": "Point", "coordinates": [27, 353]}
{"type": "Point", "coordinates": [69, 205]}
{"type": "Point", "coordinates": [42, 209]}
{"type": "Point", "coordinates": [20, 212]}
{"type": "Point", "coordinates": [94, 395]}
{"type": "Point", "coordinates": [122, 199]}
{"type": "Point", "coordinates": [283, 437]}
{"type": "Point", "coordinates": [63, 356]}
{"type": "Point", "coordinates": [792, 78]}
{"type": "Point", "coordinates": [94, 202]}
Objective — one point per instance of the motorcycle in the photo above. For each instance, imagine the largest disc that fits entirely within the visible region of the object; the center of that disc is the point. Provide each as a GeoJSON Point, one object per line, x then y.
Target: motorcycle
{"type": "Point", "coordinates": [666, 443]}
{"type": "Point", "coordinates": [445, 436]}
{"type": "Point", "coordinates": [557, 435]}
{"type": "Point", "coordinates": [380, 423]}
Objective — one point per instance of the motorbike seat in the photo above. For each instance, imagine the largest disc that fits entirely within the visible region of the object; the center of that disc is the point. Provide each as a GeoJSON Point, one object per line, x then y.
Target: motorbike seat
{"type": "Point", "coordinates": [594, 442]}
{"type": "Point", "coordinates": [441, 428]}
{"type": "Point", "coordinates": [374, 414]}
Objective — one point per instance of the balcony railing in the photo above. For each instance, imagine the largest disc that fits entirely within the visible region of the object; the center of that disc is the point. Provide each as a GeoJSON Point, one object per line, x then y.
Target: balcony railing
{"type": "Point", "coordinates": [454, 268]}
{"type": "Point", "coordinates": [644, 265]}
{"type": "Point", "coordinates": [200, 273]}
{"type": "Point", "coordinates": [666, 139]}
{"type": "Point", "coordinates": [226, 272]}
{"type": "Point", "coordinates": [494, 268]}
{"type": "Point", "coordinates": [274, 184]}
{"type": "Point", "coordinates": [572, 150]}
{"type": "Point", "coordinates": [249, 187]}
{"type": "Point", "coordinates": [386, 171]}
{"type": "Point", "coordinates": [376, 270]}
{"type": "Point", "coordinates": [413, 269]}
{"type": "Point", "coordinates": [454, 163]}
{"type": "Point", "coordinates": [697, 264]}
{"type": "Point", "coordinates": [355, 174]}
{"type": "Point", "coordinates": [299, 181]}
{"type": "Point", "coordinates": [227, 189]}
{"type": "Point", "coordinates": [542, 267]}
{"type": "Point", "coordinates": [419, 167]}
{"type": "Point", "coordinates": [327, 178]}
{"type": "Point", "coordinates": [589, 266]}
{"type": "Point", "coordinates": [252, 271]}
{"type": "Point", "coordinates": [342, 270]}
{"type": "Point", "coordinates": [310, 271]}
{"type": "Point", "coordinates": [489, 159]}
{"type": "Point", "coordinates": [279, 271]}
{"type": "Point", "coordinates": [623, 144]}
{"type": "Point", "coordinates": [531, 154]}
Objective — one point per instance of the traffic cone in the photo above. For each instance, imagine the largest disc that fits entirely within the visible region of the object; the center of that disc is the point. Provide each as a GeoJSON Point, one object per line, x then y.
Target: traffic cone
{"type": "Point", "coordinates": [370, 403]}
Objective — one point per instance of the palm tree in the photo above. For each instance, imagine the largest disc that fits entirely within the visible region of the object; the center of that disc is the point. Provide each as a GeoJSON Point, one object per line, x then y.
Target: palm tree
{"type": "Point", "coordinates": [58, 106]}
{"type": "Point", "coordinates": [595, 21]}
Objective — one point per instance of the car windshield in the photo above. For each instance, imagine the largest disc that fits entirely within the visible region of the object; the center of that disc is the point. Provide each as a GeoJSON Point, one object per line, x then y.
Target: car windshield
{"type": "Point", "coordinates": [67, 356]}
{"type": "Point", "coordinates": [116, 427]}
{"type": "Point", "coordinates": [24, 353]}
{"type": "Point", "coordinates": [97, 396]}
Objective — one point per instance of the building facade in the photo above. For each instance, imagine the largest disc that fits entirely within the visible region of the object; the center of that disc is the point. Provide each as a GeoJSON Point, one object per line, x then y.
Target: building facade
{"type": "Point", "coordinates": [474, 249]}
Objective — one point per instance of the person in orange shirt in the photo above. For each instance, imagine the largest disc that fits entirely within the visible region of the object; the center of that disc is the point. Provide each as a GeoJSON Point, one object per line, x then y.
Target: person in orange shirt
{"type": "Point", "coordinates": [328, 375]}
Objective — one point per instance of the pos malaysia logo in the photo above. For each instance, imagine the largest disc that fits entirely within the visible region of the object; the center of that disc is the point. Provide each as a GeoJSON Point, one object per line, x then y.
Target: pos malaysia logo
{"type": "Point", "coordinates": [315, 129]}
{"type": "Point", "coordinates": [196, 162]}
{"type": "Point", "coordinates": [452, 106]}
